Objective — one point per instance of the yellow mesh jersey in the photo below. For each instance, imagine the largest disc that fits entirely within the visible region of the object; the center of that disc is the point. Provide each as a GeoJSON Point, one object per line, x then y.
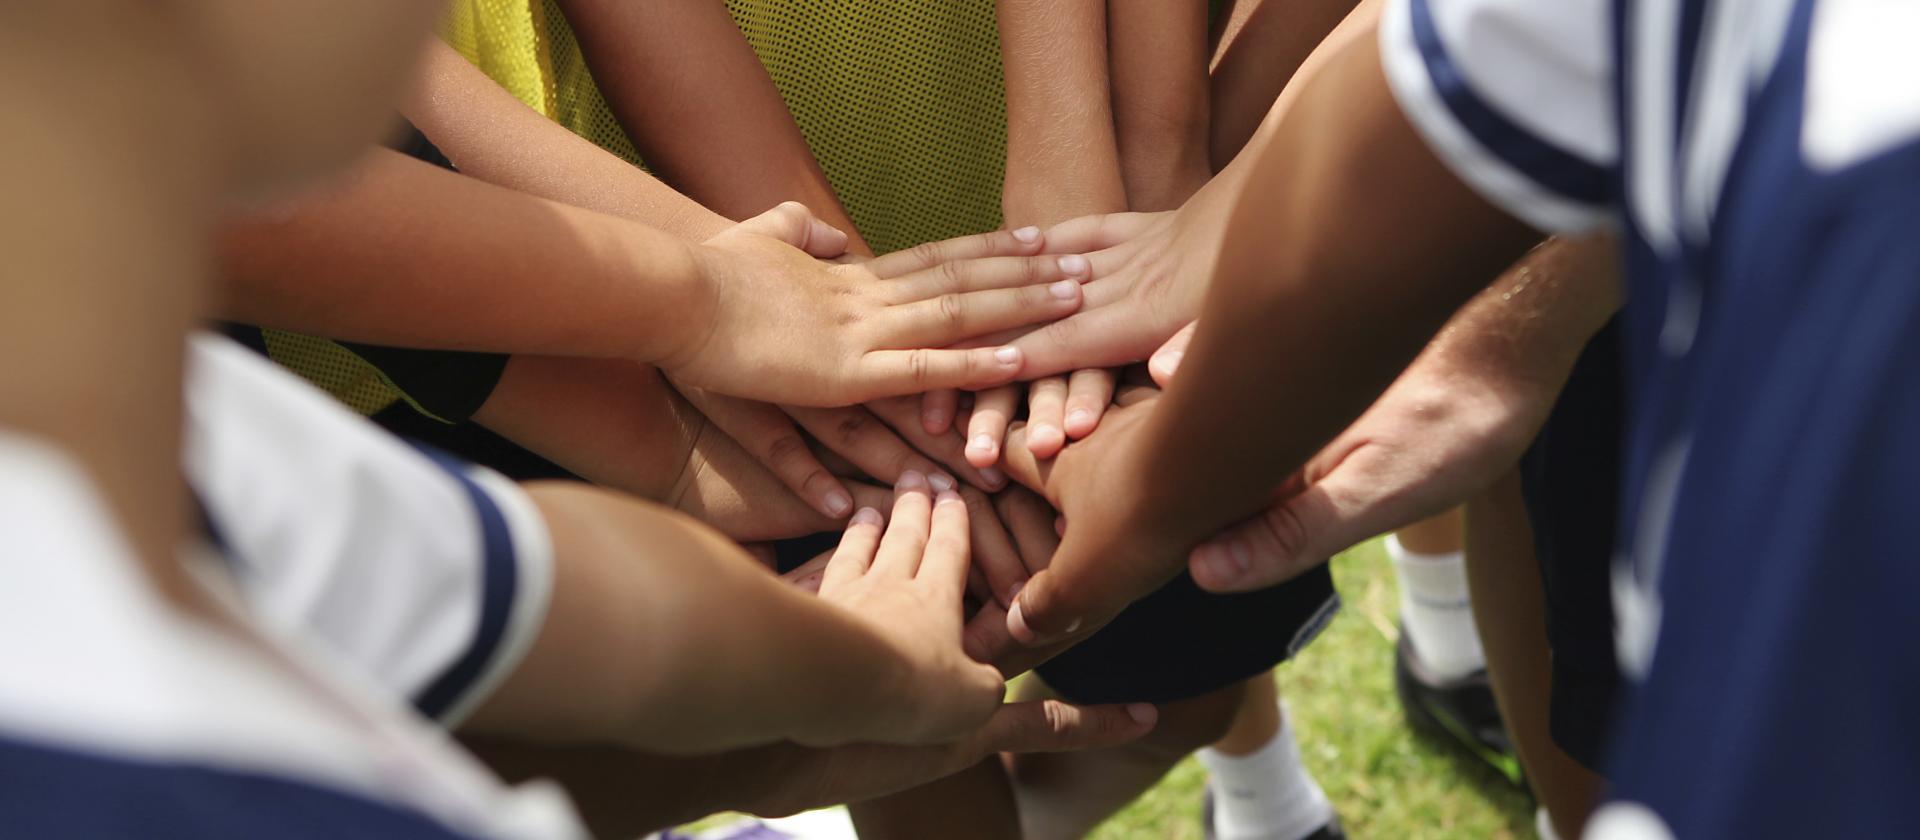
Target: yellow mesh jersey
{"type": "Point", "coordinates": [901, 102]}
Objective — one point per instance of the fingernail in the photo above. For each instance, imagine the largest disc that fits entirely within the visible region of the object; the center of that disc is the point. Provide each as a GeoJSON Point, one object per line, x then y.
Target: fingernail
{"type": "Point", "coordinates": [1064, 290]}
{"type": "Point", "coordinates": [1216, 565]}
{"type": "Point", "coordinates": [941, 482]}
{"type": "Point", "coordinates": [1059, 526]}
{"type": "Point", "coordinates": [993, 477]}
{"type": "Point", "coordinates": [981, 443]}
{"type": "Point", "coordinates": [1014, 590]}
{"type": "Point", "coordinates": [1170, 360]}
{"type": "Point", "coordinates": [1242, 555]}
{"type": "Point", "coordinates": [1027, 234]}
{"type": "Point", "coordinates": [1044, 437]}
{"type": "Point", "coordinates": [1079, 418]}
{"type": "Point", "coordinates": [946, 497]}
{"type": "Point", "coordinates": [1074, 265]}
{"type": "Point", "coordinates": [1017, 625]}
{"type": "Point", "coordinates": [866, 516]}
{"type": "Point", "coordinates": [911, 480]}
{"type": "Point", "coordinates": [1007, 355]}
{"type": "Point", "coordinates": [838, 503]}
{"type": "Point", "coordinates": [1142, 712]}
{"type": "Point", "coordinates": [935, 417]}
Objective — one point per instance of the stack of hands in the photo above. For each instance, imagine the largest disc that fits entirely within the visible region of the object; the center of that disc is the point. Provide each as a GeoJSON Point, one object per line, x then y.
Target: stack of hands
{"type": "Point", "coordinates": [1085, 323]}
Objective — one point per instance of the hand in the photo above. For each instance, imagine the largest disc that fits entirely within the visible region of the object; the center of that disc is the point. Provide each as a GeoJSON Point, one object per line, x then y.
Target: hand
{"type": "Point", "coordinates": [816, 778]}
{"type": "Point", "coordinates": [1150, 274]}
{"type": "Point", "coordinates": [774, 323]}
{"type": "Point", "coordinates": [908, 585]}
{"type": "Point", "coordinates": [1107, 559]}
{"type": "Point", "coordinates": [1440, 434]}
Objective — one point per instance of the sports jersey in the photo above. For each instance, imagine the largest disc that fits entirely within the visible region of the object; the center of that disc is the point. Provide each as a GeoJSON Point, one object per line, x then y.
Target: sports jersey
{"type": "Point", "coordinates": [1759, 158]}
{"type": "Point", "coordinates": [121, 716]}
{"type": "Point", "coordinates": [429, 575]}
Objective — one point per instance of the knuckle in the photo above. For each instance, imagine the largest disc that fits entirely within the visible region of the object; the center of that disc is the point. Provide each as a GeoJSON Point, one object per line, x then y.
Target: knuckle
{"type": "Point", "coordinates": [951, 272]}
{"type": "Point", "coordinates": [953, 311]}
{"type": "Point", "coordinates": [851, 427]}
{"type": "Point", "coordinates": [920, 366]}
{"type": "Point", "coordinates": [1288, 531]}
{"type": "Point", "coordinates": [787, 450]}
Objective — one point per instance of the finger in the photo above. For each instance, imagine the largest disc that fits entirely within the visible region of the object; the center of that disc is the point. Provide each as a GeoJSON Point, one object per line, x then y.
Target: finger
{"type": "Point", "coordinates": [888, 373]}
{"type": "Point", "coordinates": [988, 274]}
{"type": "Point", "coordinates": [987, 426]}
{"type": "Point", "coordinates": [1098, 336]}
{"type": "Point", "coordinates": [947, 448]}
{"type": "Point", "coordinates": [1089, 392]}
{"type": "Point", "coordinates": [1020, 463]}
{"type": "Point", "coordinates": [1054, 726]}
{"type": "Point", "coordinates": [791, 222]}
{"type": "Point", "coordinates": [1287, 539]}
{"type": "Point", "coordinates": [937, 409]}
{"type": "Point", "coordinates": [1046, 410]}
{"type": "Point", "coordinates": [1030, 521]}
{"type": "Point", "coordinates": [807, 576]}
{"type": "Point", "coordinates": [999, 243]}
{"type": "Point", "coordinates": [776, 444]}
{"type": "Point", "coordinates": [855, 553]}
{"type": "Point", "coordinates": [869, 444]}
{"type": "Point", "coordinates": [1167, 359]}
{"type": "Point", "coordinates": [1075, 595]}
{"type": "Point", "coordinates": [762, 553]}
{"type": "Point", "coordinates": [1093, 233]}
{"type": "Point", "coordinates": [994, 553]}
{"type": "Point", "coordinates": [943, 568]}
{"type": "Point", "coordinates": [958, 316]}
{"type": "Point", "coordinates": [906, 539]}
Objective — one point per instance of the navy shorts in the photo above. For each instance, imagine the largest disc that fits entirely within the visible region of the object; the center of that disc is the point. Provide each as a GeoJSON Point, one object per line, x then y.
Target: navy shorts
{"type": "Point", "coordinates": [1181, 642]}
{"type": "Point", "coordinates": [1571, 480]}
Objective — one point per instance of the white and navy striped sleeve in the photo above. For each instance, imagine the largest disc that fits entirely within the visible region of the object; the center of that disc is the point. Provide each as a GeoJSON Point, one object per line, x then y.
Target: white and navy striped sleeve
{"type": "Point", "coordinates": [1516, 96]}
{"type": "Point", "coordinates": [428, 575]}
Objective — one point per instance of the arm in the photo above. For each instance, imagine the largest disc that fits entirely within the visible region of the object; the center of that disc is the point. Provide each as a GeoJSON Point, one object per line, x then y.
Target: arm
{"type": "Point", "coordinates": [486, 132]}
{"type": "Point", "coordinates": [1160, 99]}
{"type": "Point", "coordinates": [1333, 176]}
{"type": "Point", "coordinates": [1062, 158]}
{"type": "Point", "coordinates": [692, 95]}
{"type": "Point", "coordinates": [661, 635]}
{"type": "Point", "coordinates": [782, 779]}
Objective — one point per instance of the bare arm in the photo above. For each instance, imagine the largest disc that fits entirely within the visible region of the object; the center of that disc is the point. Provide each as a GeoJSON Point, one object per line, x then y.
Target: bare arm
{"type": "Point", "coordinates": [692, 95]}
{"type": "Point", "coordinates": [488, 134]}
{"type": "Point", "coordinates": [1160, 99]}
{"type": "Point", "coordinates": [662, 635]}
{"type": "Point", "coordinates": [1062, 158]}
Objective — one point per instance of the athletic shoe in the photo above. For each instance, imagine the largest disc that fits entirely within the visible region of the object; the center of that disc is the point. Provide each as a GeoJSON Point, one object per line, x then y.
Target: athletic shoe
{"type": "Point", "coordinates": [1330, 831]}
{"type": "Point", "coordinates": [1461, 711]}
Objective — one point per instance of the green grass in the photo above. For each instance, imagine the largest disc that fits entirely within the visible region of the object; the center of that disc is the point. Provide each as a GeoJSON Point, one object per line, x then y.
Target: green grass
{"type": "Point", "coordinates": [1385, 781]}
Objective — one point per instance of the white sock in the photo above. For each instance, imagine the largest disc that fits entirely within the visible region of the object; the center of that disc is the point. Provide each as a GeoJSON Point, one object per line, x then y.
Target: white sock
{"type": "Point", "coordinates": [1543, 825]}
{"type": "Point", "coordinates": [1436, 612]}
{"type": "Point", "coordinates": [1266, 793]}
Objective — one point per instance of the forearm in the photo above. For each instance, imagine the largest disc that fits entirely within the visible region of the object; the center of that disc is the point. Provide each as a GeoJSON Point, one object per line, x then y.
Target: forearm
{"type": "Point", "coordinates": [406, 254]}
{"type": "Point", "coordinates": [700, 108]}
{"type": "Point", "coordinates": [662, 635]}
{"type": "Point", "coordinates": [1060, 129]}
{"type": "Point", "coordinates": [1160, 99]}
{"type": "Point", "coordinates": [486, 132]}
{"type": "Point", "coordinates": [1341, 172]}
{"type": "Point", "coordinates": [1261, 57]}
{"type": "Point", "coordinates": [623, 426]}
{"type": "Point", "coordinates": [1525, 331]}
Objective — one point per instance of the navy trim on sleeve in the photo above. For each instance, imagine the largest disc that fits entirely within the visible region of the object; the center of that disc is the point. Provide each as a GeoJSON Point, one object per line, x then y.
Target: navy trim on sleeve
{"type": "Point", "coordinates": [55, 792]}
{"type": "Point", "coordinates": [501, 572]}
{"type": "Point", "coordinates": [1546, 164]}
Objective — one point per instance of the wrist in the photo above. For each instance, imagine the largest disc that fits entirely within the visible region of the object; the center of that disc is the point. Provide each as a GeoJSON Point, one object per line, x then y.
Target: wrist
{"type": "Point", "coordinates": [679, 322]}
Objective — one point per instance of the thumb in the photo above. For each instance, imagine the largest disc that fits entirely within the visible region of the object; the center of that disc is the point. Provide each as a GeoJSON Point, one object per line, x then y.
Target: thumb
{"type": "Point", "coordinates": [1166, 360]}
{"type": "Point", "coordinates": [1292, 536]}
{"type": "Point", "coordinates": [1068, 600]}
{"type": "Point", "coordinates": [791, 222]}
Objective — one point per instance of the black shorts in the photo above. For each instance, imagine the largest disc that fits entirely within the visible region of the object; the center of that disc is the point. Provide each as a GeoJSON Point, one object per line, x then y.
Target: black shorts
{"type": "Point", "coordinates": [1181, 642]}
{"type": "Point", "coordinates": [1571, 480]}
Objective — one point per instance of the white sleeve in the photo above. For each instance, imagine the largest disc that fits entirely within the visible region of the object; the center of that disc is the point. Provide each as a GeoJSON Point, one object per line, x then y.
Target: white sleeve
{"type": "Point", "coordinates": [428, 575]}
{"type": "Point", "coordinates": [1516, 96]}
